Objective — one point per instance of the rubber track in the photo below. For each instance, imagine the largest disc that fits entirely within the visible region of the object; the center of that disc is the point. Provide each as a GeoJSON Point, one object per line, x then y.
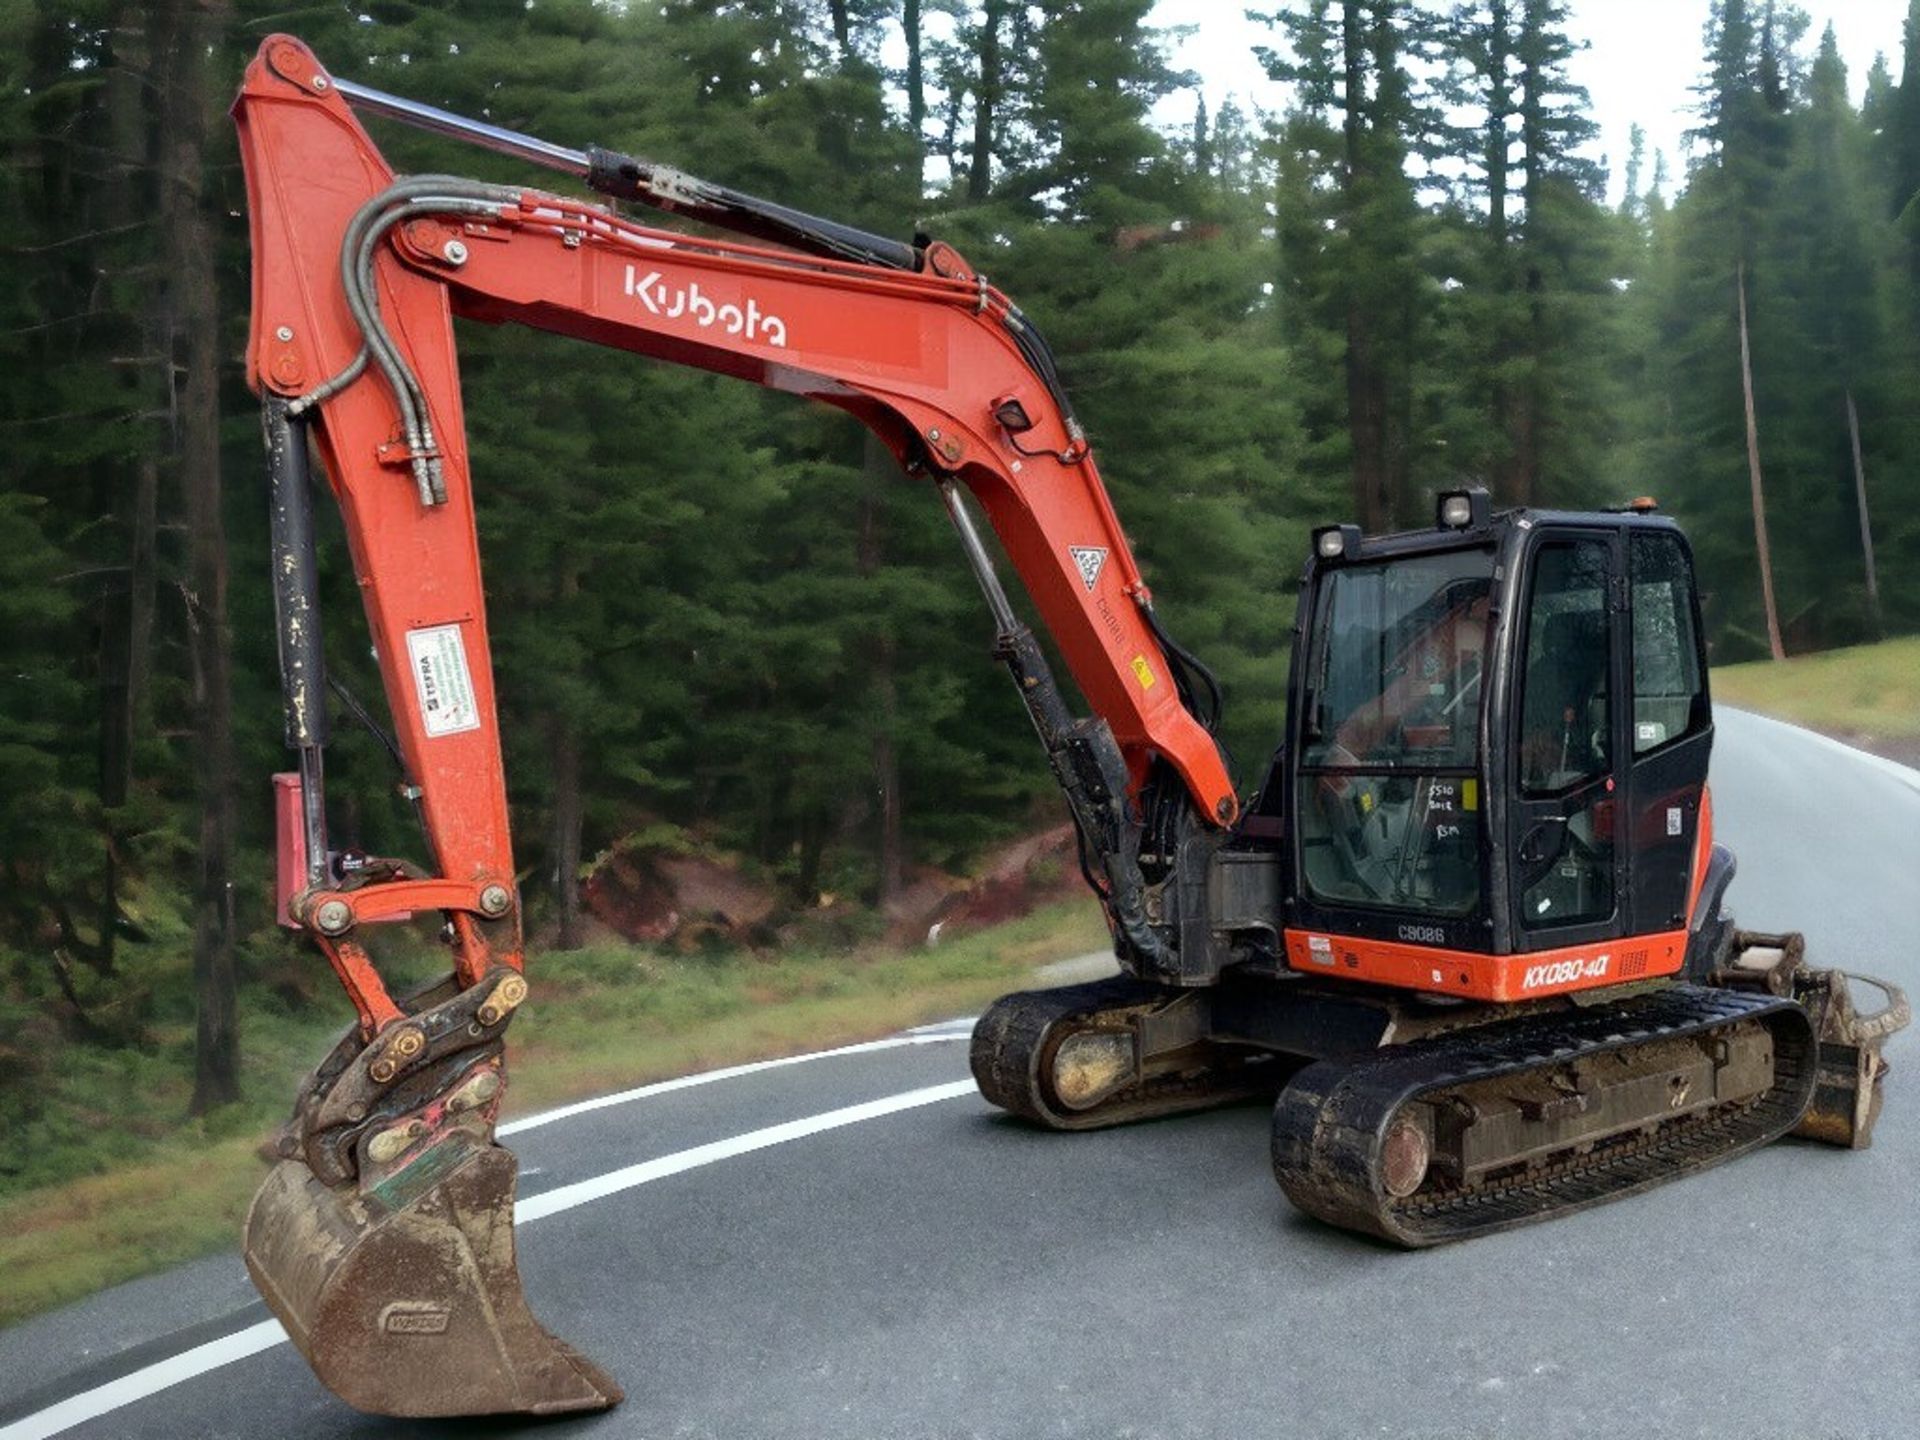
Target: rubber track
{"type": "Point", "coordinates": [1012, 1038]}
{"type": "Point", "coordinates": [1330, 1122]}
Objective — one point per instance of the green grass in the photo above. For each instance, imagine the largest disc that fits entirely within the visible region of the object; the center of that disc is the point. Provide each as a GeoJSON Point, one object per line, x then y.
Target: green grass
{"type": "Point", "coordinates": [118, 1184]}
{"type": "Point", "coordinates": [1870, 691]}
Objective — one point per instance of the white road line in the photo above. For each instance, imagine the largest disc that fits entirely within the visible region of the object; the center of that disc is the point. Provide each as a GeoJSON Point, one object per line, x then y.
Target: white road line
{"type": "Point", "coordinates": [927, 1035]}
{"type": "Point", "coordinates": [957, 1028]}
{"type": "Point", "coordinates": [201, 1359]}
{"type": "Point", "coordinates": [552, 1202]}
{"type": "Point", "coordinates": [174, 1370]}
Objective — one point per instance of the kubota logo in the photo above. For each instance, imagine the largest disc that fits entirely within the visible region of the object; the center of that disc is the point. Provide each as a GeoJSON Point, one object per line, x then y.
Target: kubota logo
{"type": "Point", "coordinates": [672, 302]}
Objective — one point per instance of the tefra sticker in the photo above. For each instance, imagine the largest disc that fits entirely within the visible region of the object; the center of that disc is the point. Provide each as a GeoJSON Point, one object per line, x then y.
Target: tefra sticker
{"type": "Point", "coordinates": [442, 681]}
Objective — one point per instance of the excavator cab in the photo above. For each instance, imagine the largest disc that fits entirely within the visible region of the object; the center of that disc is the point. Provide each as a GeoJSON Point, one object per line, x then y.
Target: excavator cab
{"type": "Point", "coordinates": [1498, 748]}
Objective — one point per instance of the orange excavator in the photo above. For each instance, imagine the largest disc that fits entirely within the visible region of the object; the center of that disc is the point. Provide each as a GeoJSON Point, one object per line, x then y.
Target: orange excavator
{"type": "Point", "coordinates": [1468, 927]}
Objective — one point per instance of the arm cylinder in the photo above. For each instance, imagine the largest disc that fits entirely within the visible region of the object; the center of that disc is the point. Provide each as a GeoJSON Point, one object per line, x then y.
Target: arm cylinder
{"type": "Point", "coordinates": [627, 178]}
{"type": "Point", "coordinates": [296, 608]}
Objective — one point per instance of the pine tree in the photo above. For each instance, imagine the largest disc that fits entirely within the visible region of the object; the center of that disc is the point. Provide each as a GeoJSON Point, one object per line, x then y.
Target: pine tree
{"type": "Point", "coordinates": [1356, 272]}
{"type": "Point", "coordinates": [1715, 258]}
{"type": "Point", "coordinates": [1903, 136]}
{"type": "Point", "coordinates": [1829, 284]}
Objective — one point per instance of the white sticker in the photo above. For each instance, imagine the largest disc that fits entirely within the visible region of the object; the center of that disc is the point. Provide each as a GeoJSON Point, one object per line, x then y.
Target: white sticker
{"type": "Point", "coordinates": [1320, 949]}
{"type": "Point", "coordinates": [1091, 559]}
{"type": "Point", "coordinates": [441, 680]}
{"type": "Point", "coordinates": [1673, 820]}
{"type": "Point", "coordinates": [1565, 972]}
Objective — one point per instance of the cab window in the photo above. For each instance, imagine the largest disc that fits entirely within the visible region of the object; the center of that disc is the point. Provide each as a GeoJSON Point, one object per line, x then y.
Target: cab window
{"type": "Point", "coordinates": [1565, 739]}
{"type": "Point", "coordinates": [1389, 801]}
{"type": "Point", "coordinates": [1398, 652]}
{"type": "Point", "coordinates": [1668, 698]}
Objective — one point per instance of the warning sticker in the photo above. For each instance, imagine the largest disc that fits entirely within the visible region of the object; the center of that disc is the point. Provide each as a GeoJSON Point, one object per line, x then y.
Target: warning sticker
{"type": "Point", "coordinates": [1320, 949]}
{"type": "Point", "coordinates": [1143, 672]}
{"type": "Point", "coordinates": [1091, 559]}
{"type": "Point", "coordinates": [441, 680]}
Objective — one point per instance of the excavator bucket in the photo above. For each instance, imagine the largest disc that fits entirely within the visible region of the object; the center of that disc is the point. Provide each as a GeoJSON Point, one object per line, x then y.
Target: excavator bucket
{"type": "Point", "coordinates": [403, 1294]}
{"type": "Point", "coordinates": [383, 1238]}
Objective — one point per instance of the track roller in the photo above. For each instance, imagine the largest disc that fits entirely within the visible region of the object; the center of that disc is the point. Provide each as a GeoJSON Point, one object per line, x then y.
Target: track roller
{"type": "Point", "coordinates": [1082, 1057]}
{"type": "Point", "coordinates": [1466, 1133]}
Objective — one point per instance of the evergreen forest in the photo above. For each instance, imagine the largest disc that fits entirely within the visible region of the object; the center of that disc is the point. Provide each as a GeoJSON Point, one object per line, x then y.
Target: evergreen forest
{"type": "Point", "coordinates": [722, 613]}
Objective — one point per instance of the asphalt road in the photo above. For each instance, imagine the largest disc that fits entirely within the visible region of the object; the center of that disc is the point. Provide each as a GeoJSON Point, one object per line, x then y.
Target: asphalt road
{"type": "Point", "coordinates": [940, 1271]}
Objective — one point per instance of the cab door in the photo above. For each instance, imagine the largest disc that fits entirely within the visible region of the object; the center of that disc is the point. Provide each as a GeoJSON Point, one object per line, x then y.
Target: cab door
{"type": "Point", "coordinates": [1566, 862]}
{"type": "Point", "coordinates": [1670, 735]}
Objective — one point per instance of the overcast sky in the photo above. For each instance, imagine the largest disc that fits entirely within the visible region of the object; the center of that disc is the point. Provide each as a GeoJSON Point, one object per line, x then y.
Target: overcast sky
{"type": "Point", "coordinates": [1644, 57]}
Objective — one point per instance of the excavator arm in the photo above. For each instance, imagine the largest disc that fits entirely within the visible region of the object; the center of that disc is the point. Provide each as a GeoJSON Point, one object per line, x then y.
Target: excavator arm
{"type": "Point", "coordinates": [389, 1167]}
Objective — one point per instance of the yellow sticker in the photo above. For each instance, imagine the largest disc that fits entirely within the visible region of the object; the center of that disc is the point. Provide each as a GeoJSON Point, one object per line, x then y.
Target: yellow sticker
{"type": "Point", "coordinates": [1469, 794]}
{"type": "Point", "coordinates": [1143, 671]}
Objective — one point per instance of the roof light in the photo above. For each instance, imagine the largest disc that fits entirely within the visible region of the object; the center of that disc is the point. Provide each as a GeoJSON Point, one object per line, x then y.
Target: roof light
{"type": "Point", "coordinates": [1463, 509]}
{"type": "Point", "coordinates": [1336, 542]}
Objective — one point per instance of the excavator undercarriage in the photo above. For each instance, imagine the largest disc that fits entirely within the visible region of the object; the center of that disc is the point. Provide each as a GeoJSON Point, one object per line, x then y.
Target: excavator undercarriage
{"type": "Point", "coordinates": [1468, 932]}
{"type": "Point", "coordinates": [1422, 1122]}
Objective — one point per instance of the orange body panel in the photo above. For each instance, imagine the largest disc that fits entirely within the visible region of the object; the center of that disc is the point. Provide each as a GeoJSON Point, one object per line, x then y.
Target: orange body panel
{"type": "Point", "coordinates": [1702, 851]}
{"type": "Point", "coordinates": [1505, 978]}
{"type": "Point", "coordinates": [1473, 976]}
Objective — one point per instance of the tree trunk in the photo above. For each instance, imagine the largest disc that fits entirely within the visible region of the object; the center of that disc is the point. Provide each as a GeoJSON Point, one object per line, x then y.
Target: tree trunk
{"type": "Point", "coordinates": [1498, 239]}
{"type": "Point", "coordinates": [1753, 475]}
{"type": "Point", "coordinates": [1860, 501]}
{"type": "Point", "coordinates": [182, 36]}
{"type": "Point", "coordinates": [1499, 107]}
{"type": "Point", "coordinates": [842, 29]}
{"type": "Point", "coordinates": [569, 805]}
{"type": "Point", "coordinates": [568, 813]}
{"type": "Point", "coordinates": [1533, 142]}
{"type": "Point", "coordinates": [1366, 382]}
{"type": "Point", "coordinates": [889, 845]}
{"type": "Point", "coordinates": [126, 662]}
{"type": "Point", "coordinates": [916, 92]}
{"type": "Point", "coordinates": [126, 629]}
{"type": "Point", "coordinates": [1499, 165]}
{"type": "Point", "coordinates": [986, 96]}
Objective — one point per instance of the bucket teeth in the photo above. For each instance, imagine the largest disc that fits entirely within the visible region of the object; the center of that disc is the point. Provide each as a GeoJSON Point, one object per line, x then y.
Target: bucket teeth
{"type": "Point", "coordinates": [403, 1294]}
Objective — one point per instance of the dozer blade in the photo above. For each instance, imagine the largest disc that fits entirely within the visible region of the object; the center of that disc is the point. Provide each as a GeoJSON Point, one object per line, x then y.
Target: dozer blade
{"type": "Point", "coordinates": [403, 1294]}
{"type": "Point", "coordinates": [1852, 1070]}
